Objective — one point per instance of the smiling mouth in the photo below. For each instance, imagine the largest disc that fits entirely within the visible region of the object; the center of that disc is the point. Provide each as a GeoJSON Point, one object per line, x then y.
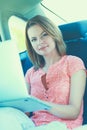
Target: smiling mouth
{"type": "Point", "coordinates": [42, 48]}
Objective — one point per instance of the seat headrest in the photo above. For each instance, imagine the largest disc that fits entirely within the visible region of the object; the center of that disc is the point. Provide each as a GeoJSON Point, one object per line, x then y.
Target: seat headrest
{"type": "Point", "coordinates": [74, 30]}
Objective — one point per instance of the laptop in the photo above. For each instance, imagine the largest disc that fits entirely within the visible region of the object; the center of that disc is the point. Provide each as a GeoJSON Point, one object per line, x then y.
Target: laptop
{"type": "Point", "coordinates": [13, 90]}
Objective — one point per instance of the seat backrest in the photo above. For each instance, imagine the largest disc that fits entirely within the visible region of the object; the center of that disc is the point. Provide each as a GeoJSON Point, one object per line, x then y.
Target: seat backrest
{"type": "Point", "coordinates": [25, 61]}
{"type": "Point", "coordinates": [75, 37]}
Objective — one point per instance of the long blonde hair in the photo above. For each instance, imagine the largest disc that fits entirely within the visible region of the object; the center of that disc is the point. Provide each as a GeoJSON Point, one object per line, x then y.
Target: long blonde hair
{"type": "Point", "coordinates": [48, 26]}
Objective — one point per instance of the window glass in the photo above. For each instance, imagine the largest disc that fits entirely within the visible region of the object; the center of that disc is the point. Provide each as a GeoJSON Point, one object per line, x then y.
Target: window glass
{"type": "Point", "coordinates": [66, 10]}
{"type": "Point", "coordinates": [17, 32]}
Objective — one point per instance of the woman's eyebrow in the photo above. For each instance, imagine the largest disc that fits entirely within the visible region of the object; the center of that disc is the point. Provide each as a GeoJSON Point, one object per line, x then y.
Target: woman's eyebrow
{"type": "Point", "coordinates": [39, 35]}
{"type": "Point", "coordinates": [33, 37]}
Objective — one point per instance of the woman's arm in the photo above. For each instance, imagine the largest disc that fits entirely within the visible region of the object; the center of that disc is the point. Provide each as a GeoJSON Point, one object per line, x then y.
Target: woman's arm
{"type": "Point", "coordinates": [72, 110]}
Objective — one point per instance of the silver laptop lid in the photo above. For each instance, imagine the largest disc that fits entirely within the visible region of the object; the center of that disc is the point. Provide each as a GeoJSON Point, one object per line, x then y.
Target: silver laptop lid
{"type": "Point", "coordinates": [12, 83]}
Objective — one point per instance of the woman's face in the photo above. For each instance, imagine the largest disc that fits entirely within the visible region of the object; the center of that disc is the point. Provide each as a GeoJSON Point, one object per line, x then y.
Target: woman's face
{"type": "Point", "coordinates": [41, 42]}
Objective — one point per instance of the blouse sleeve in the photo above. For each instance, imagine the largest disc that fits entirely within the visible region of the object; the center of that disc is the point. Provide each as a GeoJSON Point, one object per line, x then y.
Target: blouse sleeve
{"type": "Point", "coordinates": [75, 64]}
{"type": "Point", "coordinates": [28, 75]}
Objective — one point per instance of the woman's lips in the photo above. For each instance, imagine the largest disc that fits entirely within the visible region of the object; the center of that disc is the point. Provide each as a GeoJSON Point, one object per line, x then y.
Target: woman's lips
{"type": "Point", "coordinates": [42, 47]}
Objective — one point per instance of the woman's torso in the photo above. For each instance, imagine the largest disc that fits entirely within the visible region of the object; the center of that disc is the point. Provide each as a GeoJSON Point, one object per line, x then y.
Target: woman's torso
{"type": "Point", "coordinates": [54, 86]}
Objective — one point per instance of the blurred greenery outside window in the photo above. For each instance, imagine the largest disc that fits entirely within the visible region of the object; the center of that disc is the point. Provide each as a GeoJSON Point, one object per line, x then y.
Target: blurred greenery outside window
{"type": "Point", "coordinates": [17, 32]}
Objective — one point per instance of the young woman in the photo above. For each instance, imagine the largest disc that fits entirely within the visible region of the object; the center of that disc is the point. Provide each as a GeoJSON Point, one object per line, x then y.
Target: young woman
{"type": "Point", "coordinates": [56, 78]}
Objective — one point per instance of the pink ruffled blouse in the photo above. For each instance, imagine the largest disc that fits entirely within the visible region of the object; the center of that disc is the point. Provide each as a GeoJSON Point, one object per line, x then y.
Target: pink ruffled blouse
{"type": "Point", "coordinates": [54, 86]}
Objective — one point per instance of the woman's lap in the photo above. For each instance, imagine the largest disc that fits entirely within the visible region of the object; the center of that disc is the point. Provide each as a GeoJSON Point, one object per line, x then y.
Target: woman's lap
{"type": "Point", "coordinates": [13, 119]}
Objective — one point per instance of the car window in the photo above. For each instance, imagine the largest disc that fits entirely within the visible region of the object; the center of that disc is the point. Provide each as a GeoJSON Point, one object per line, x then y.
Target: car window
{"type": "Point", "coordinates": [66, 10]}
{"type": "Point", "coordinates": [17, 32]}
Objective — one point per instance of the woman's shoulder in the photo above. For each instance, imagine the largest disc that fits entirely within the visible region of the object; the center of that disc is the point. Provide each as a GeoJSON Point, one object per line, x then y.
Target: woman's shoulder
{"type": "Point", "coordinates": [74, 63]}
{"type": "Point", "coordinates": [30, 71]}
{"type": "Point", "coordinates": [72, 57]}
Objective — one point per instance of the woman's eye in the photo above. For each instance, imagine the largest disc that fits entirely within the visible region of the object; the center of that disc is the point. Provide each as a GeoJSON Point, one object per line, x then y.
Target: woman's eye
{"type": "Point", "coordinates": [33, 40]}
{"type": "Point", "coordinates": [44, 34]}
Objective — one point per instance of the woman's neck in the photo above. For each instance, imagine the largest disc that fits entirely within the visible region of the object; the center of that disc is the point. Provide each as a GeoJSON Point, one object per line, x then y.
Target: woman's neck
{"type": "Point", "coordinates": [49, 60]}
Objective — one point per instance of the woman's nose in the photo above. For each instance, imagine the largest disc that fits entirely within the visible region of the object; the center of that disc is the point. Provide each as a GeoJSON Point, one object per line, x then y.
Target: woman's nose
{"type": "Point", "coordinates": [40, 41]}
